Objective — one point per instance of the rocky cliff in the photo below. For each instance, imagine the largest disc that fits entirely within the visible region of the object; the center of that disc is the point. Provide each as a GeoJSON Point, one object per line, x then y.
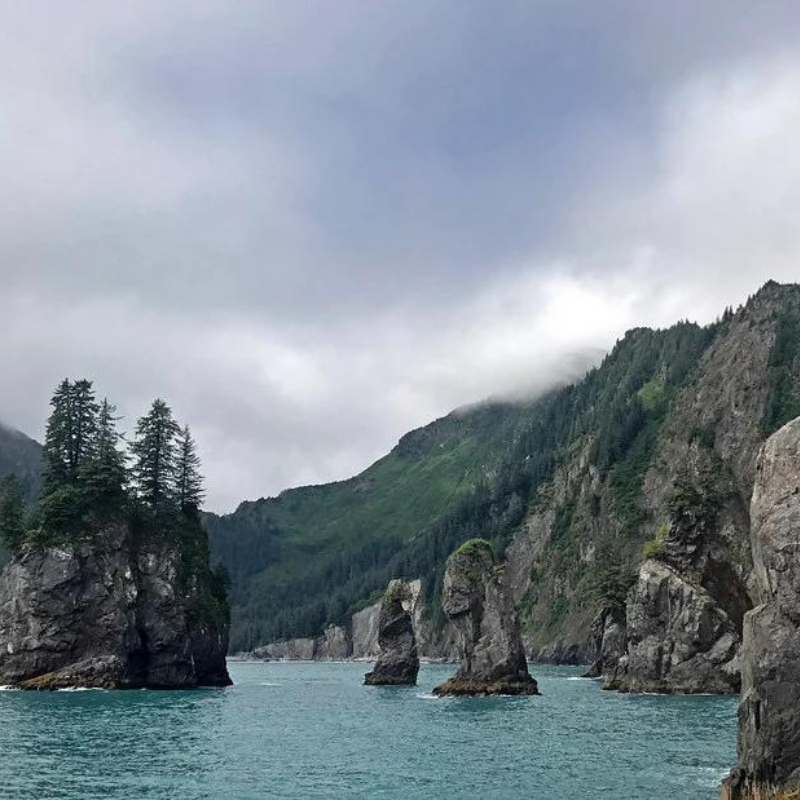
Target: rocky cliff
{"type": "Point", "coordinates": [358, 640]}
{"type": "Point", "coordinates": [769, 712]}
{"type": "Point", "coordinates": [483, 615]}
{"type": "Point", "coordinates": [660, 540]}
{"type": "Point", "coordinates": [122, 608]}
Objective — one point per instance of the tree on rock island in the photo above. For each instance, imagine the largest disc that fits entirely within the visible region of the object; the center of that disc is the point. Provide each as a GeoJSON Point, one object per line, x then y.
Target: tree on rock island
{"type": "Point", "coordinates": [87, 479]}
{"type": "Point", "coordinates": [189, 481]}
{"type": "Point", "coordinates": [155, 452]}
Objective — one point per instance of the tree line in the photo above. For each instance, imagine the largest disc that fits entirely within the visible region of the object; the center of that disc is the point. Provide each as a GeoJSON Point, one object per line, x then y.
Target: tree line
{"type": "Point", "coordinates": [90, 471]}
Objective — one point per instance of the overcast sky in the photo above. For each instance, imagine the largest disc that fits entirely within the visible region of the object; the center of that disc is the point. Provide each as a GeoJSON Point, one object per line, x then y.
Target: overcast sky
{"type": "Point", "coordinates": [313, 226]}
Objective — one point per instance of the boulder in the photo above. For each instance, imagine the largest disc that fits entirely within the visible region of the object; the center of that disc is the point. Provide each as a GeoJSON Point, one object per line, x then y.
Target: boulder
{"type": "Point", "coordinates": [769, 710]}
{"type": "Point", "coordinates": [121, 608]}
{"type": "Point", "coordinates": [398, 663]}
{"type": "Point", "coordinates": [483, 616]}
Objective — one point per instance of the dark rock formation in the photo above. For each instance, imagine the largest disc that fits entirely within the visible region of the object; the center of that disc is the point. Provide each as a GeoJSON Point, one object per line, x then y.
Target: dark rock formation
{"type": "Point", "coordinates": [769, 712]}
{"type": "Point", "coordinates": [609, 638]}
{"type": "Point", "coordinates": [398, 663]}
{"type": "Point", "coordinates": [483, 615]}
{"type": "Point", "coordinates": [679, 639]}
{"type": "Point", "coordinates": [120, 609]}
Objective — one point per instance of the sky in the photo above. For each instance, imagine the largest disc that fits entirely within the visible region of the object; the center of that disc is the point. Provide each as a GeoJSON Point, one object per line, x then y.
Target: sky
{"type": "Point", "coordinates": [314, 226]}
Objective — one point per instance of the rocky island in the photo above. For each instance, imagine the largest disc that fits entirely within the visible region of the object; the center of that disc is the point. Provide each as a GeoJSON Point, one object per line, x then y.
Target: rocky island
{"type": "Point", "coordinates": [109, 584]}
{"type": "Point", "coordinates": [398, 663]}
{"type": "Point", "coordinates": [483, 615]}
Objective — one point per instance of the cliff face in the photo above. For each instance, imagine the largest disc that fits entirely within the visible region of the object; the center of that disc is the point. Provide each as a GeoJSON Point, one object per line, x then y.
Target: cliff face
{"type": "Point", "coordinates": [359, 640]}
{"type": "Point", "coordinates": [122, 609]}
{"type": "Point", "coordinates": [672, 511]}
{"type": "Point", "coordinates": [769, 712]}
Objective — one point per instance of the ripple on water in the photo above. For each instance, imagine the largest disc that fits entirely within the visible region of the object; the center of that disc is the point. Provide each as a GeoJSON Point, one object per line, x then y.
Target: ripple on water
{"type": "Point", "coordinates": [318, 732]}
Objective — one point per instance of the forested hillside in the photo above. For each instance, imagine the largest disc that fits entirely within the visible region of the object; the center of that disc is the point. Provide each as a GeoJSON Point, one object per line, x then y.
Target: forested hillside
{"type": "Point", "coordinates": [314, 555]}
{"type": "Point", "coordinates": [20, 456]}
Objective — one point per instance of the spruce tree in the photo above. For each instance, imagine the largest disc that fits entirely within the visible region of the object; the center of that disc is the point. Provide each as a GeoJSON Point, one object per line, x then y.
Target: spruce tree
{"type": "Point", "coordinates": [70, 435]}
{"type": "Point", "coordinates": [12, 512]}
{"type": "Point", "coordinates": [189, 481]}
{"type": "Point", "coordinates": [155, 453]}
{"type": "Point", "coordinates": [58, 439]}
{"type": "Point", "coordinates": [85, 411]}
{"type": "Point", "coordinates": [105, 472]}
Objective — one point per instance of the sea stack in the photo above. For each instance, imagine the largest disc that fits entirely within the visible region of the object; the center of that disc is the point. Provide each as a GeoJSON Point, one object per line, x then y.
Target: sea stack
{"type": "Point", "coordinates": [769, 711]}
{"type": "Point", "coordinates": [398, 663]}
{"type": "Point", "coordinates": [483, 615]}
{"type": "Point", "coordinates": [126, 607]}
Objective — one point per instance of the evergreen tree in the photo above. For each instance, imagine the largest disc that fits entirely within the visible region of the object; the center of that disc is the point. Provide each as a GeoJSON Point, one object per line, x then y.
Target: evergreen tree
{"type": "Point", "coordinates": [105, 473]}
{"type": "Point", "coordinates": [85, 412]}
{"type": "Point", "coordinates": [58, 439]}
{"type": "Point", "coordinates": [155, 454]}
{"type": "Point", "coordinates": [189, 481]}
{"type": "Point", "coordinates": [70, 436]}
{"type": "Point", "coordinates": [12, 512]}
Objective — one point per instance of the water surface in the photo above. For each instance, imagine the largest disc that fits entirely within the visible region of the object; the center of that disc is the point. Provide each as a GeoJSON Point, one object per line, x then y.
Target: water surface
{"type": "Point", "coordinates": [312, 730]}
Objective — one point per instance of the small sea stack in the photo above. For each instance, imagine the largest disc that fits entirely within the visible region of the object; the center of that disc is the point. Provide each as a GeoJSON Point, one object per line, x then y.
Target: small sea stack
{"type": "Point", "coordinates": [483, 615]}
{"type": "Point", "coordinates": [769, 711]}
{"type": "Point", "coordinates": [398, 663]}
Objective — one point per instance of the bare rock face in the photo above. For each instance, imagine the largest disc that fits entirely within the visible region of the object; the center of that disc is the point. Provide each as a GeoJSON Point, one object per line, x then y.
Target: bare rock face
{"type": "Point", "coordinates": [121, 610]}
{"type": "Point", "coordinates": [769, 711]}
{"type": "Point", "coordinates": [679, 639]}
{"type": "Point", "coordinates": [609, 637]}
{"type": "Point", "coordinates": [482, 613]}
{"type": "Point", "coordinates": [398, 663]}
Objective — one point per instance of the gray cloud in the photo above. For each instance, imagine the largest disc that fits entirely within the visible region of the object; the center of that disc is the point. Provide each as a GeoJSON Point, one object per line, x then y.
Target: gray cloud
{"type": "Point", "coordinates": [314, 226]}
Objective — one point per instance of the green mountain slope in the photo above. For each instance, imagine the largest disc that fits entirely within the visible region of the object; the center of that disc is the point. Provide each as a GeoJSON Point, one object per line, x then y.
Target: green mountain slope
{"type": "Point", "coordinates": [21, 456]}
{"type": "Point", "coordinates": [314, 555]}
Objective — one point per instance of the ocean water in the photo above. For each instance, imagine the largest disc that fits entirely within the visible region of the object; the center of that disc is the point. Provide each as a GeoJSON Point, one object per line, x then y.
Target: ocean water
{"type": "Point", "coordinates": [300, 730]}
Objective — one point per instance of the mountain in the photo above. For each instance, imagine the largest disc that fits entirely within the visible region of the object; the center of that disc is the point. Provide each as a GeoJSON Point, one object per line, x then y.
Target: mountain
{"type": "Point", "coordinates": [22, 456]}
{"type": "Point", "coordinates": [572, 488]}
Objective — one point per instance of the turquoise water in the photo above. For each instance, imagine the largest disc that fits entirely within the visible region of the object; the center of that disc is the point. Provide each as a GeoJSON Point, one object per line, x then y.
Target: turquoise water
{"type": "Point", "coordinates": [312, 730]}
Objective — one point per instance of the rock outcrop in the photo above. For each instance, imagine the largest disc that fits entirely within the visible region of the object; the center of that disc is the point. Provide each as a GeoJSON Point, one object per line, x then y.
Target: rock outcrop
{"type": "Point", "coordinates": [120, 609]}
{"type": "Point", "coordinates": [769, 711]}
{"type": "Point", "coordinates": [483, 615]}
{"type": "Point", "coordinates": [609, 641]}
{"type": "Point", "coordinates": [678, 639]}
{"type": "Point", "coordinates": [398, 663]}
{"type": "Point", "coordinates": [364, 633]}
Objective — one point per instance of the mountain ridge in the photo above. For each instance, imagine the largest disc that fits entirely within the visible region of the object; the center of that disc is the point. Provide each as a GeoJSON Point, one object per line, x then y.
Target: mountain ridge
{"type": "Point", "coordinates": [464, 469]}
